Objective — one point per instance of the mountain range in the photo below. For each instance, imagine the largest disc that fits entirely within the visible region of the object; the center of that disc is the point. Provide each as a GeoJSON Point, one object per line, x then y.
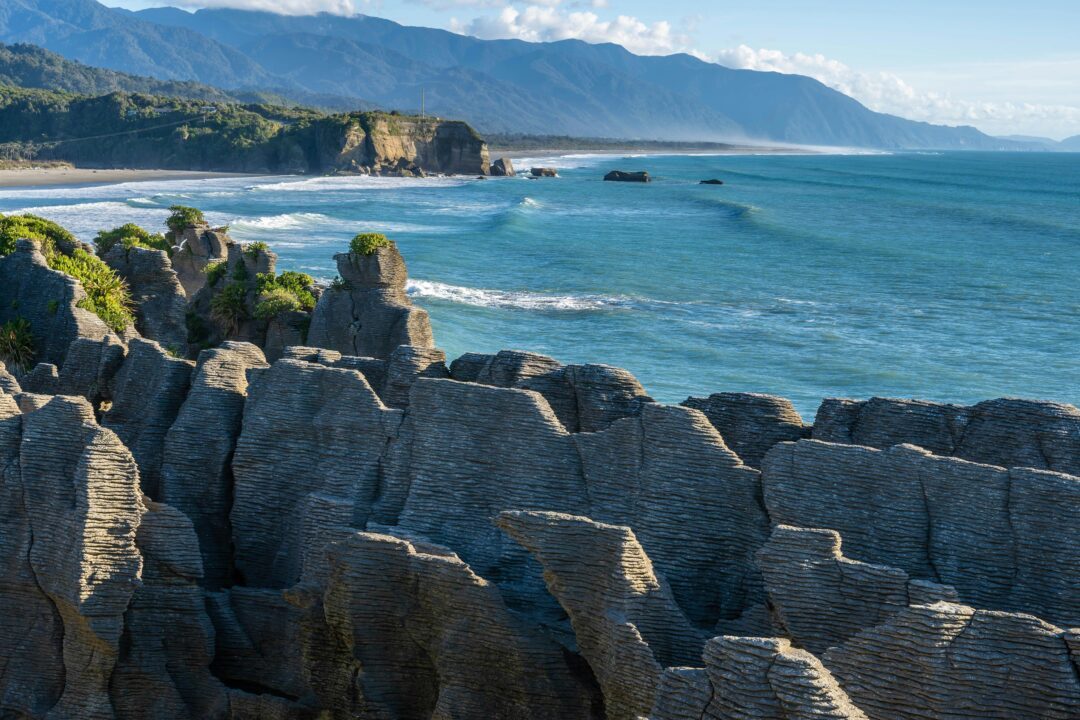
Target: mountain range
{"type": "Point", "coordinates": [499, 86]}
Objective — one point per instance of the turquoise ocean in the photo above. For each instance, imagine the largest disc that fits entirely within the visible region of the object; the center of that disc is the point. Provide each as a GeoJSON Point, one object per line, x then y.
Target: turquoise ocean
{"type": "Point", "coordinates": [951, 277]}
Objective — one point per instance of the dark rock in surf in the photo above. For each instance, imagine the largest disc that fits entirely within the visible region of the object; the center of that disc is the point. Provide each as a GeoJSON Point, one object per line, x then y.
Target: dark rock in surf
{"type": "Point", "coordinates": [502, 168]}
{"type": "Point", "coordinates": [544, 172]}
{"type": "Point", "coordinates": [621, 176]}
{"type": "Point", "coordinates": [714, 181]}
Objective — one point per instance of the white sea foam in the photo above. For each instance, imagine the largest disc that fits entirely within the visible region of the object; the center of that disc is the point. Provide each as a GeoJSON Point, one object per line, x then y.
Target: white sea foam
{"type": "Point", "coordinates": [510, 299]}
{"type": "Point", "coordinates": [358, 182]}
{"type": "Point", "coordinates": [287, 221]}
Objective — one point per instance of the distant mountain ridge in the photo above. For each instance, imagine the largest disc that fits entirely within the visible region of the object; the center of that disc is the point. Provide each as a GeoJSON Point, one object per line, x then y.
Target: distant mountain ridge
{"type": "Point", "coordinates": [511, 86]}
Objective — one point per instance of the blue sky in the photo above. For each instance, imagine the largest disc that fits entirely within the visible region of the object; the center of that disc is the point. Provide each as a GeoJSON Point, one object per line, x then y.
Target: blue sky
{"type": "Point", "coordinates": [1003, 66]}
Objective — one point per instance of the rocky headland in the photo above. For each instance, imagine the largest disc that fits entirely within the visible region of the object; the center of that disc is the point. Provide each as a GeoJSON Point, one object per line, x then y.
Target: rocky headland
{"type": "Point", "coordinates": [235, 493]}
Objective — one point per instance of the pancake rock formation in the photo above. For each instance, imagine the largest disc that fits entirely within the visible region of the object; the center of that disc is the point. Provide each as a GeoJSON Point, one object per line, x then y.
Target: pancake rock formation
{"type": "Point", "coordinates": [341, 524]}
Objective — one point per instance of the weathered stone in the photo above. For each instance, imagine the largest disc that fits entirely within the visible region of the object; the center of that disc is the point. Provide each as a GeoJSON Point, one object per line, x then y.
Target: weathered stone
{"type": "Point", "coordinates": [822, 598]}
{"type": "Point", "coordinates": [197, 247]}
{"type": "Point", "coordinates": [89, 368]}
{"type": "Point", "coordinates": [751, 423]}
{"type": "Point", "coordinates": [44, 379]}
{"type": "Point", "coordinates": [503, 167]}
{"type": "Point", "coordinates": [978, 528]}
{"type": "Point", "coordinates": [48, 299]}
{"type": "Point", "coordinates": [537, 172]}
{"type": "Point", "coordinates": [160, 302]}
{"type": "Point", "coordinates": [640, 176]}
{"type": "Point", "coordinates": [951, 661]}
{"type": "Point", "coordinates": [196, 472]}
{"type": "Point", "coordinates": [8, 383]}
{"type": "Point", "coordinates": [406, 365]}
{"type": "Point", "coordinates": [1005, 432]}
{"type": "Point", "coordinates": [625, 619]}
{"type": "Point", "coordinates": [147, 393]}
{"type": "Point", "coordinates": [372, 315]}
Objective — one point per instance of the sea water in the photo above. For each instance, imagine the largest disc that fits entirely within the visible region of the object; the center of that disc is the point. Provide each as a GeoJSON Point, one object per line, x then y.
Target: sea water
{"type": "Point", "coordinates": [952, 277]}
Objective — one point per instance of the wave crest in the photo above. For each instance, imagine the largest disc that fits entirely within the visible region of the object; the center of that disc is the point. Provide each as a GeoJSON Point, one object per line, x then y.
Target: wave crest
{"type": "Point", "coordinates": [511, 299]}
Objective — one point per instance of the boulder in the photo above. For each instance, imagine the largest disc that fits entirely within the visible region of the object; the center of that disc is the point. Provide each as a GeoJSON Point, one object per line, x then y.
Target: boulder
{"type": "Point", "coordinates": [371, 315]}
{"type": "Point", "coordinates": [537, 172]}
{"type": "Point", "coordinates": [640, 176]}
{"type": "Point", "coordinates": [502, 167]}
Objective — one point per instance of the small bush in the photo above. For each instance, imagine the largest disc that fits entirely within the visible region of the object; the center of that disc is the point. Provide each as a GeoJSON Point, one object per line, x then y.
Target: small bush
{"type": "Point", "coordinates": [252, 250]}
{"type": "Point", "coordinates": [215, 271]}
{"type": "Point", "coordinates": [51, 237]}
{"type": "Point", "coordinates": [229, 307]}
{"type": "Point", "coordinates": [130, 235]}
{"type": "Point", "coordinates": [184, 217]}
{"type": "Point", "coordinates": [53, 306]}
{"type": "Point", "coordinates": [296, 284]}
{"type": "Point", "coordinates": [275, 301]}
{"type": "Point", "coordinates": [339, 284]}
{"type": "Point", "coordinates": [240, 273]}
{"type": "Point", "coordinates": [107, 294]}
{"type": "Point", "coordinates": [368, 243]}
{"type": "Point", "coordinates": [17, 344]}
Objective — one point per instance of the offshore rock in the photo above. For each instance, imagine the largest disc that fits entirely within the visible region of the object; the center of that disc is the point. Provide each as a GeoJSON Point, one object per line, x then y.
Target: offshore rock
{"type": "Point", "coordinates": [1004, 432]}
{"type": "Point", "coordinates": [982, 529]}
{"type": "Point", "coordinates": [147, 394]}
{"type": "Point", "coordinates": [159, 298]}
{"type": "Point", "coordinates": [751, 423]}
{"type": "Point", "coordinates": [196, 471]}
{"type": "Point", "coordinates": [71, 510]}
{"type": "Point", "coordinates": [432, 638]}
{"type": "Point", "coordinates": [503, 167]}
{"type": "Point", "coordinates": [821, 598]}
{"type": "Point", "coordinates": [371, 315]}
{"type": "Point", "coordinates": [544, 172]}
{"type": "Point", "coordinates": [949, 661]}
{"type": "Point", "coordinates": [624, 617]}
{"type": "Point", "coordinates": [48, 299]}
{"type": "Point", "coordinates": [640, 176]}
{"type": "Point", "coordinates": [746, 678]}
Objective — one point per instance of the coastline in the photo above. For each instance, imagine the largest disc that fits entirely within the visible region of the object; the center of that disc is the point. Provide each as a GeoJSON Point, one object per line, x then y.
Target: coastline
{"type": "Point", "coordinates": [512, 153]}
{"type": "Point", "coordinates": [49, 176]}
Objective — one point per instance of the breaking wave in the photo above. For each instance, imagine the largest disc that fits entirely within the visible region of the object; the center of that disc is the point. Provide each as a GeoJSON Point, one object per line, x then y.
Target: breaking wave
{"type": "Point", "coordinates": [514, 299]}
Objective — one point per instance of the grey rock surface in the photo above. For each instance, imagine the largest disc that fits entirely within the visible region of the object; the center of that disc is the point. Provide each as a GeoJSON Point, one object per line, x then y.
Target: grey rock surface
{"type": "Point", "coordinates": [751, 423]}
{"type": "Point", "coordinates": [503, 167]}
{"type": "Point", "coordinates": [1005, 432]}
{"type": "Point", "coordinates": [197, 247]}
{"type": "Point", "coordinates": [159, 299]}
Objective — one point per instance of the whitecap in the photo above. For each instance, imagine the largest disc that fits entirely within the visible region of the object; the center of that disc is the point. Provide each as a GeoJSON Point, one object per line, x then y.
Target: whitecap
{"type": "Point", "coordinates": [511, 299]}
{"type": "Point", "coordinates": [286, 221]}
{"type": "Point", "coordinates": [358, 182]}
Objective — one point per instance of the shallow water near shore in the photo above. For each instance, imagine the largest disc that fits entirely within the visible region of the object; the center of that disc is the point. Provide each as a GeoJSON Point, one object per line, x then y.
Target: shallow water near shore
{"type": "Point", "coordinates": [951, 277]}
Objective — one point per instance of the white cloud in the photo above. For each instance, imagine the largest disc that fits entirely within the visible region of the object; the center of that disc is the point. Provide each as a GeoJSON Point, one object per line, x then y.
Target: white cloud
{"type": "Point", "coordinates": [888, 92]}
{"type": "Point", "coordinates": [546, 21]}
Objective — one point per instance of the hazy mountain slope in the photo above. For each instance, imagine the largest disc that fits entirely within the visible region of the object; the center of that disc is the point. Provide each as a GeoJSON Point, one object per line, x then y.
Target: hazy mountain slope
{"type": "Point", "coordinates": [87, 31]}
{"type": "Point", "coordinates": [1071, 144]}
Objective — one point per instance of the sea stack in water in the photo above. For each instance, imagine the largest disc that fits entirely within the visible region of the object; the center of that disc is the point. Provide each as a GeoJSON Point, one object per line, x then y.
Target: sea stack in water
{"type": "Point", "coordinates": [714, 181]}
{"type": "Point", "coordinates": [620, 176]}
{"type": "Point", "coordinates": [502, 168]}
{"type": "Point", "coordinates": [544, 172]}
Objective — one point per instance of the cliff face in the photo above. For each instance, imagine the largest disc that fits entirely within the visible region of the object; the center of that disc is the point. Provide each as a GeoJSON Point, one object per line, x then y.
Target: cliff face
{"type": "Point", "coordinates": [385, 537]}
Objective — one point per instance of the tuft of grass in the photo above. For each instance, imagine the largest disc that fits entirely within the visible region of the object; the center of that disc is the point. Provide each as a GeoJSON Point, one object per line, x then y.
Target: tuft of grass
{"type": "Point", "coordinates": [274, 302]}
{"type": "Point", "coordinates": [229, 307]}
{"type": "Point", "coordinates": [215, 271]}
{"type": "Point", "coordinates": [17, 344]}
{"type": "Point", "coordinates": [339, 284]}
{"type": "Point", "coordinates": [368, 243]}
{"type": "Point", "coordinates": [50, 237]}
{"type": "Point", "coordinates": [107, 295]}
{"type": "Point", "coordinates": [130, 235]}
{"type": "Point", "coordinates": [53, 306]}
{"type": "Point", "coordinates": [252, 250]}
{"type": "Point", "coordinates": [184, 217]}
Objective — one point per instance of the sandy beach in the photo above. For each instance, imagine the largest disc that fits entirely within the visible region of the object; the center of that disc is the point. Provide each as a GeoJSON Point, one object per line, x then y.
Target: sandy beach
{"type": "Point", "coordinates": [43, 176]}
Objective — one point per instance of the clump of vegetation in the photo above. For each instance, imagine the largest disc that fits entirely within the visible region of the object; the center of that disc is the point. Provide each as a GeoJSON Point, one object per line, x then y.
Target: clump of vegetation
{"type": "Point", "coordinates": [368, 243]}
{"type": "Point", "coordinates": [184, 217]}
{"type": "Point", "coordinates": [130, 235]}
{"type": "Point", "coordinates": [240, 273]}
{"type": "Point", "coordinates": [275, 301]}
{"type": "Point", "coordinates": [107, 295]}
{"type": "Point", "coordinates": [252, 250]}
{"type": "Point", "coordinates": [229, 307]}
{"type": "Point", "coordinates": [17, 344]}
{"type": "Point", "coordinates": [339, 283]}
{"type": "Point", "coordinates": [50, 237]}
{"type": "Point", "coordinates": [215, 271]}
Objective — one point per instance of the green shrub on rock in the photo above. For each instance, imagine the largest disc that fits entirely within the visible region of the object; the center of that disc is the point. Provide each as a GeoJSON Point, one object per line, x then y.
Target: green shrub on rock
{"type": "Point", "coordinates": [296, 284]}
{"type": "Point", "coordinates": [50, 236]}
{"type": "Point", "coordinates": [368, 243]}
{"type": "Point", "coordinates": [215, 271]}
{"type": "Point", "coordinates": [184, 217]}
{"type": "Point", "coordinates": [17, 344]}
{"type": "Point", "coordinates": [130, 235]}
{"type": "Point", "coordinates": [107, 295]}
{"type": "Point", "coordinates": [252, 250]}
{"type": "Point", "coordinates": [274, 302]}
{"type": "Point", "coordinates": [229, 307]}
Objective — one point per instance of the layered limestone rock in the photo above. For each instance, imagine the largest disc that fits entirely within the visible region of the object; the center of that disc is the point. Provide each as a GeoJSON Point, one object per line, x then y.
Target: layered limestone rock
{"type": "Point", "coordinates": [820, 598]}
{"type": "Point", "coordinates": [624, 617]}
{"type": "Point", "coordinates": [404, 630]}
{"type": "Point", "coordinates": [370, 315]}
{"type": "Point", "coordinates": [49, 300]}
{"type": "Point", "coordinates": [952, 661]}
{"type": "Point", "coordinates": [71, 510]}
{"type": "Point", "coordinates": [196, 471]}
{"type": "Point", "coordinates": [8, 383]}
{"type": "Point", "coordinates": [1005, 432]}
{"type": "Point", "coordinates": [981, 529]}
{"type": "Point", "coordinates": [160, 303]}
{"type": "Point", "coordinates": [585, 398]}
{"type": "Point", "coordinates": [751, 423]}
{"type": "Point", "coordinates": [746, 678]}
{"type": "Point", "coordinates": [196, 247]}
{"type": "Point", "coordinates": [503, 167]}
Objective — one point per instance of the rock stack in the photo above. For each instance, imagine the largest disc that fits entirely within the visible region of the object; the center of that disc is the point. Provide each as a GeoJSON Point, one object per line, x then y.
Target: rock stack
{"type": "Point", "coordinates": [356, 530]}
